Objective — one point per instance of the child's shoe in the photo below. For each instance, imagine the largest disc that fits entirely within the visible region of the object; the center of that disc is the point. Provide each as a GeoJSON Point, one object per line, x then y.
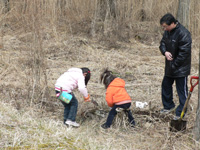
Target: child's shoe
{"type": "Point", "coordinates": [176, 118]}
{"type": "Point", "coordinates": [132, 123]}
{"type": "Point", "coordinates": [72, 123]}
{"type": "Point", "coordinates": [104, 126]}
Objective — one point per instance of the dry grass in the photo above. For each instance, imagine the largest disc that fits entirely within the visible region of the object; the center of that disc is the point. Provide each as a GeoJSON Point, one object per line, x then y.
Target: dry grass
{"type": "Point", "coordinates": [40, 126]}
{"type": "Point", "coordinates": [42, 39]}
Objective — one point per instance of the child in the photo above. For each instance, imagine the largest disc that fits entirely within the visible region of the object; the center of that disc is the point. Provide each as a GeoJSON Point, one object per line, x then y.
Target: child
{"type": "Point", "coordinates": [72, 79]}
{"type": "Point", "coordinates": [116, 97]}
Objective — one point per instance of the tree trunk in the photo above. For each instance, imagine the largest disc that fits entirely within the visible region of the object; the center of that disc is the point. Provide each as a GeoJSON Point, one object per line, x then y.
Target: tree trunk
{"type": "Point", "coordinates": [106, 7]}
{"type": "Point", "coordinates": [61, 6]}
{"type": "Point", "coordinates": [197, 124]}
{"type": "Point", "coordinates": [104, 15]}
{"type": "Point", "coordinates": [6, 5]}
{"type": "Point", "coordinates": [183, 12]}
{"type": "Point", "coordinates": [109, 18]}
{"type": "Point", "coordinates": [111, 7]}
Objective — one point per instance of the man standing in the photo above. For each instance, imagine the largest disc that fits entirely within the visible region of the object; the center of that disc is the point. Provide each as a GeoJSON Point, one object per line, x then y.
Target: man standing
{"type": "Point", "coordinates": [176, 47]}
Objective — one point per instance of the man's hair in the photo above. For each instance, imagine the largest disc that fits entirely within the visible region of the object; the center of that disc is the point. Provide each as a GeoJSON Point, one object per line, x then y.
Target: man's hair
{"type": "Point", "coordinates": [168, 19]}
{"type": "Point", "coordinates": [87, 77]}
{"type": "Point", "coordinates": [107, 77]}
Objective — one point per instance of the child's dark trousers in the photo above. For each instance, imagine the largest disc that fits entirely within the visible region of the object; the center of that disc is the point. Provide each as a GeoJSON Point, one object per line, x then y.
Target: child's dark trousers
{"type": "Point", "coordinates": [113, 113]}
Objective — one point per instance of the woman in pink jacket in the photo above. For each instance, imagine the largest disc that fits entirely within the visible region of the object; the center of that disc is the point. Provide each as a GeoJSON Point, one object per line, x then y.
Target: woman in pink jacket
{"type": "Point", "coordinates": [74, 78]}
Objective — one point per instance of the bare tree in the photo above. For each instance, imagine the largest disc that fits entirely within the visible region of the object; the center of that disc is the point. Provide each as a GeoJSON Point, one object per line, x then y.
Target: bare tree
{"type": "Point", "coordinates": [183, 12]}
{"type": "Point", "coordinates": [61, 5]}
{"type": "Point", "coordinates": [197, 124]}
{"type": "Point", "coordinates": [183, 17]}
{"type": "Point", "coordinates": [6, 5]}
{"type": "Point", "coordinates": [104, 15]}
{"type": "Point", "coordinates": [106, 7]}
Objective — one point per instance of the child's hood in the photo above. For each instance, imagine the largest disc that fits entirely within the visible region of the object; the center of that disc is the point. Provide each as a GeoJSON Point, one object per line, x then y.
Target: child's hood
{"type": "Point", "coordinates": [75, 70]}
{"type": "Point", "coordinates": [118, 82]}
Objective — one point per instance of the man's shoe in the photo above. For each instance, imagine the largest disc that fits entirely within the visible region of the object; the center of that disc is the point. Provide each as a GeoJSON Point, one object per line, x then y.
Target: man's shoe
{"type": "Point", "coordinates": [72, 123]}
{"type": "Point", "coordinates": [104, 126]}
{"type": "Point", "coordinates": [167, 111]}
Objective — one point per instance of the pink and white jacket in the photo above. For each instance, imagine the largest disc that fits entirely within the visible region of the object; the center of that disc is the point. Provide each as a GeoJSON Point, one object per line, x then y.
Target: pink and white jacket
{"type": "Point", "coordinates": [70, 80]}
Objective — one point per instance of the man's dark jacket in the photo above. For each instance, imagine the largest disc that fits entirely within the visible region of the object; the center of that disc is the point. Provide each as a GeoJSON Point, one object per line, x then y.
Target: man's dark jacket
{"type": "Point", "coordinates": [178, 42]}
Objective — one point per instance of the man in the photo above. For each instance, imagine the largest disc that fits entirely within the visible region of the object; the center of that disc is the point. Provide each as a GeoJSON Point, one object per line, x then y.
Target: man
{"type": "Point", "coordinates": [176, 47]}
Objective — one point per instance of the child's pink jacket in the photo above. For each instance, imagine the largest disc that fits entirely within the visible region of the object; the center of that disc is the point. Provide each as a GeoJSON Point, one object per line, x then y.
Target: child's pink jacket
{"type": "Point", "coordinates": [70, 80]}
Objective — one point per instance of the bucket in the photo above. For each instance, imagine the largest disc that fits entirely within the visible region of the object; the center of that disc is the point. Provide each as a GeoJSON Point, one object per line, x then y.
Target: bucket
{"type": "Point", "coordinates": [65, 97]}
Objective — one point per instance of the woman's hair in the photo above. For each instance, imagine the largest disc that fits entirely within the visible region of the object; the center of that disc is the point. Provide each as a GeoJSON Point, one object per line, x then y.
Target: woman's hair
{"type": "Point", "coordinates": [107, 77]}
{"type": "Point", "coordinates": [168, 19]}
{"type": "Point", "coordinates": [87, 77]}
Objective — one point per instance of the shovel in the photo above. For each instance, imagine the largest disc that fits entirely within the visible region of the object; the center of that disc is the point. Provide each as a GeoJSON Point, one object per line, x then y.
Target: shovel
{"type": "Point", "coordinates": [180, 125]}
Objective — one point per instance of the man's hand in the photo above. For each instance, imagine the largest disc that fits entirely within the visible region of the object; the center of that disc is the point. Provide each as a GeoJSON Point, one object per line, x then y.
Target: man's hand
{"type": "Point", "coordinates": [168, 55]}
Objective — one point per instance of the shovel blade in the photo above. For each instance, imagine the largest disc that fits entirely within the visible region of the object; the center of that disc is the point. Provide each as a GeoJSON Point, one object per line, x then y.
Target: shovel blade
{"type": "Point", "coordinates": [178, 125]}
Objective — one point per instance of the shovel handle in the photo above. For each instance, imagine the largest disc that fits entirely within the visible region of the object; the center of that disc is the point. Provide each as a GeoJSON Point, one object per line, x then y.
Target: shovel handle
{"type": "Point", "coordinates": [193, 85]}
{"type": "Point", "coordinates": [189, 95]}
